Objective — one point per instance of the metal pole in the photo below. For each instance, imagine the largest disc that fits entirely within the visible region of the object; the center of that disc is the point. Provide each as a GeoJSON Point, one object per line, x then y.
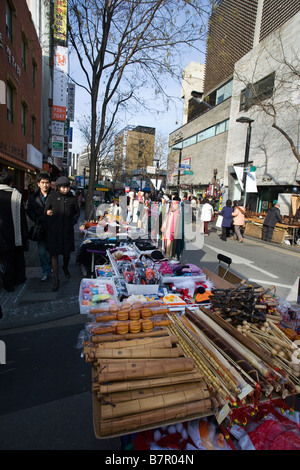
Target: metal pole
{"type": "Point", "coordinates": [156, 179]}
{"type": "Point", "coordinates": [179, 169]}
{"type": "Point", "coordinates": [246, 160]}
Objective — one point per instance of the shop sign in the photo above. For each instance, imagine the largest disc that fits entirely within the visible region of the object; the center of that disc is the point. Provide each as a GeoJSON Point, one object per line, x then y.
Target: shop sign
{"type": "Point", "coordinates": [57, 146]}
{"type": "Point", "coordinates": [60, 20]}
{"type": "Point", "coordinates": [34, 156]}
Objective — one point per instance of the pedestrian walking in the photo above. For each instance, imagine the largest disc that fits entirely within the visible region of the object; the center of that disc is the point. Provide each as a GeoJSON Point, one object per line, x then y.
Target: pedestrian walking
{"type": "Point", "coordinates": [272, 218]}
{"type": "Point", "coordinates": [226, 212]}
{"type": "Point", "coordinates": [62, 214]}
{"type": "Point", "coordinates": [13, 234]}
{"type": "Point", "coordinates": [238, 215]}
{"type": "Point", "coordinates": [36, 212]}
{"type": "Point", "coordinates": [206, 214]}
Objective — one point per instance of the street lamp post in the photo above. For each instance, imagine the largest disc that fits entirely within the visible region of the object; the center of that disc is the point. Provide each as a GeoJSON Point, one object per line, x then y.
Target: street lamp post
{"type": "Point", "coordinates": [246, 120]}
{"type": "Point", "coordinates": [178, 146]}
{"type": "Point", "coordinates": [156, 173]}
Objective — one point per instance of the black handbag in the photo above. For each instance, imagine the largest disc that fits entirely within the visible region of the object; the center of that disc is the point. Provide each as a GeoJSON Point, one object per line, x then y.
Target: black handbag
{"type": "Point", "coordinates": [37, 233]}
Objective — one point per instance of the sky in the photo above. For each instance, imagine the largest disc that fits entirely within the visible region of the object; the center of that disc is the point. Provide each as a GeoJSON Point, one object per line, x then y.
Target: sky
{"type": "Point", "coordinates": [165, 121]}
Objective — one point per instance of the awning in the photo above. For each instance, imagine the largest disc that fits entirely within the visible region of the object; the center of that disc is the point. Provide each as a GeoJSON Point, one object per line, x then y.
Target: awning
{"type": "Point", "coordinates": [21, 164]}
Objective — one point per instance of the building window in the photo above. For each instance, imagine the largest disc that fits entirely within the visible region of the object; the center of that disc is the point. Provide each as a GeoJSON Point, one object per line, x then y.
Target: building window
{"type": "Point", "coordinates": [34, 72]}
{"type": "Point", "coordinates": [24, 51]}
{"type": "Point", "coordinates": [10, 102]}
{"type": "Point", "coordinates": [9, 21]}
{"type": "Point", "coordinates": [224, 92]}
{"type": "Point", "coordinates": [23, 118]}
{"type": "Point", "coordinates": [33, 126]}
{"type": "Point", "coordinates": [206, 134]}
{"type": "Point", "coordinates": [257, 92]}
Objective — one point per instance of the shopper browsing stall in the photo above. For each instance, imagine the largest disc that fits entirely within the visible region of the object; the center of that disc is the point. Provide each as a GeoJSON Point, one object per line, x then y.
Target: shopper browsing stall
{"type": "Point", "coordinates": [36, 213]}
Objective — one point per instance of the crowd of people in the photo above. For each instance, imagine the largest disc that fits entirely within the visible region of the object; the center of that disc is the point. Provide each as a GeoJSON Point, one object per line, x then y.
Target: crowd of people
{"type": "Point", "coordinates": [54, 212]}
{"type": "Point", "coordinates": [54, 209]}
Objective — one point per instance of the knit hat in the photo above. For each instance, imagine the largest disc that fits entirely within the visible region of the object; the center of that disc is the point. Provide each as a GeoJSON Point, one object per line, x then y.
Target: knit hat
{"type": "Point", "coordinates": [62, 181]}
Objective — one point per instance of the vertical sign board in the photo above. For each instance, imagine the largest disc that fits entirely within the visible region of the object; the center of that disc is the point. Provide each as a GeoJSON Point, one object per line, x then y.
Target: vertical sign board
{"type": "Point", "coordinates": [60, 10]}
{"type": "Point", "coordinates": [60, 84]}
{"type": "Point", "coordinates": [57, 146]}
{"type": "Point", "coordinates": [71, 101]}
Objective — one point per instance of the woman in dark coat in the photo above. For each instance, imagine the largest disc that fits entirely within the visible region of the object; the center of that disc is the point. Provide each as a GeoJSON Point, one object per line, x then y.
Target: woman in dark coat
{"type": "Point", "coordinates": [226, 212]}
{"type": "Point", "coordinates": [63, 212]}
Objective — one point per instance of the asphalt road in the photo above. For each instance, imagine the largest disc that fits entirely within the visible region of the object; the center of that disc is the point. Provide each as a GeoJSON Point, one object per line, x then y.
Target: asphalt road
{"type": "Point", "coordinates": [45, 391]}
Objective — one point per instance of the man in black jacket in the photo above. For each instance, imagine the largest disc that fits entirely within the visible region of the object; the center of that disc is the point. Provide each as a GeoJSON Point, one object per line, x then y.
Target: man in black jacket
{"type": "Point", "coordinates": [36, 213]}
{"type": "Point", "coordinates": [273, 216]}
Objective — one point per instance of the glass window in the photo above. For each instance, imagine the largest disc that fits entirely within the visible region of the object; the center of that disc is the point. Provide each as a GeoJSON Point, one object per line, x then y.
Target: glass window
{"type": "Point", "coordinates": [23, 118]}
{"type": "Point", "coordinates": [257, 92]}
{"type": "Point", "coordinates": [33, 125]}
{"type": "Point", "coordinates": [221, 127]}
{"type": "Point", "coordinates": [206, 134]}
{"type": "Point", "coordinates": [10, 103]}
{"type": "Point", "coordinates": [24, 52]}
{"type": "Point", "coordinates": [190, 141]}
{"type": "Point", "coordinates": [9, 20]}
{"type": "Point", "coordinates": [34, 70]}
{"type": "Point", "coordinates": [224, 92]}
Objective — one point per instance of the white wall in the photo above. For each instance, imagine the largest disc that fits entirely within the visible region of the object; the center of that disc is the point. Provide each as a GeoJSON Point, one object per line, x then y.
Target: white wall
{"type": "Point", "coordinates": [269, 150]}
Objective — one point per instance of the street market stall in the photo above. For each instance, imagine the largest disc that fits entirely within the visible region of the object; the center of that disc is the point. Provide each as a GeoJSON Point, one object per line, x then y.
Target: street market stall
{"type": "Point", "coordinates": [282, 232]}
{"type": "Point", "coordinates": [183, 359]}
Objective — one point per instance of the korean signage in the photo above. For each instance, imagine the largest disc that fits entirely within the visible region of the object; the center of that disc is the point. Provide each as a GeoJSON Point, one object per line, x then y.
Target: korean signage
{"type": "Point", "coordinates": [57, 146]}
{"type": "Point", "coordinates": [60, 84]}
{"type": "Point", "coordinates": [60, 20]}
{"type": "Point", "coordinates": [58, 128]}
{"type": "Point", "coordinates": [71, 101]}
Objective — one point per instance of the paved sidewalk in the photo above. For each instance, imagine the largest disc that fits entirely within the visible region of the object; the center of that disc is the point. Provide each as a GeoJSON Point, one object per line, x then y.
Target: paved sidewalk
{"type": "Point", "coordinates": [34, 302]}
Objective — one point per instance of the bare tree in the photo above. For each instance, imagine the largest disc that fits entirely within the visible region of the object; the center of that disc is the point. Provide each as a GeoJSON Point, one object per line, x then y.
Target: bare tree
{"type": "Point", "coordinates": [122, 45]}
{"type": "Point", "coordinates": [276, 99]}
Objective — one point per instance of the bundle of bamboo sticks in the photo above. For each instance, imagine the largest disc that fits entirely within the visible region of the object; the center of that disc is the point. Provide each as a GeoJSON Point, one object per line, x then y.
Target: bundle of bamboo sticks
{"type": "Point", "coordinates": [234, 365]}
{"type": "Point", "coordinates": [244, 303]}
{"type": "Point", "coordinates": [285, 352]}
{"type": "Point", "coordinates": [141, 380]}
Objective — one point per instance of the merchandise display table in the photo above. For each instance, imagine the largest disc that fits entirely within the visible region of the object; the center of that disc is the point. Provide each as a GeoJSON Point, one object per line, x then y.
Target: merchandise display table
{"type": "Point", "coordinates": [172, 345]}
{"type": "Point", "coordinates": [281, 233]}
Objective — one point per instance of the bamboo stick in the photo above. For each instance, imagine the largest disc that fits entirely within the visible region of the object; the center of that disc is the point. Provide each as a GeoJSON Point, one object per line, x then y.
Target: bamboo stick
{"type": "Point", "coordinates": [210, 378]}
{"type": "Point", "coordinates": [92, 354]}
{"type": "Point", "coordinates": [157, 402]}
{"type": "Point", "coordinates": [177, 412]}
{"type": "Point", "coordinates": [161, 368]}
{"type": "Point", "coordinates": [164, 342]}
{"type": "Point", "coordinates": [119, 397]}
{"type": "Point", "coordinates": [154, 381]}
{"type": "Point", "coordinates": [113, 337]}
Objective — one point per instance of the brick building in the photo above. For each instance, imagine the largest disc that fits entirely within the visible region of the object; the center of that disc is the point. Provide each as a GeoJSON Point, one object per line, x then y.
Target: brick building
{"type": "Point", "coordinates": [20, 95]}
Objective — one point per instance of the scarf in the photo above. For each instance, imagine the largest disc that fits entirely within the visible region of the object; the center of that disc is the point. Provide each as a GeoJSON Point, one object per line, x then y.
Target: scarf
{"type": "Point", "coordinates": [16, 200]}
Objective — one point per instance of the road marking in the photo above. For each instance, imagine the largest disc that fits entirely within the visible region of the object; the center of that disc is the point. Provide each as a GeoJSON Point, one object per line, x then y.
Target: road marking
{"type": "Point", "coordinates": [274, 248]}
{"type": "Point", "coordinates": [276, 284]}
{"type": "Point", "coordinates": [293, 294]}
{"type": "Point", "coordinates": [239, 260]}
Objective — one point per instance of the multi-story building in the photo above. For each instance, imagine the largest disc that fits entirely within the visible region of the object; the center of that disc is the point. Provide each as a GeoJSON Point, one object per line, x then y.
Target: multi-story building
{"type": "Point", "coordinates": [20, 96]}
{"type": "Point", "coordinates": [134, 150]}
{"type": "Point", "coordinates": [242, 54]}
